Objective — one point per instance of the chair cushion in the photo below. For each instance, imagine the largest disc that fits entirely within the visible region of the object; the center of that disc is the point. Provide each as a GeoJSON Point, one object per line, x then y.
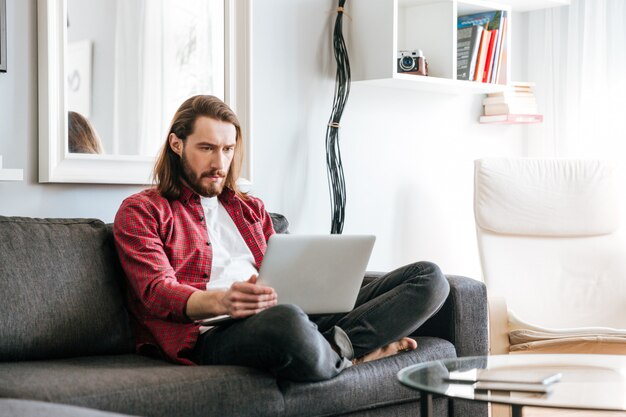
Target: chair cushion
{"type": "Point", "coordinates": [600, 340]}
{"type": "Point", "coordinates": [545, 197]}
{"type": "Point", "coordinates": [60, 290]}
{"type": "Point", "coordinates": [601, 345]}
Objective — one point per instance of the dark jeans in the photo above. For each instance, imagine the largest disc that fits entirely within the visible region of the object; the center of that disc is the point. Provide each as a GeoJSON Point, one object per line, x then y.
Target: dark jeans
{"type": "Point", "coordinates": [285, 341]}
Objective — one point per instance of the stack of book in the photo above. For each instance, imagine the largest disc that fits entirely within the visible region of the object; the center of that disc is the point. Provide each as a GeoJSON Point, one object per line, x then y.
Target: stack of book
{"type": "Point", "coordinates": [517, 104]}
{"type": "Point", "coordinates": [481, 47]}
{"type": "Point", "coordinates": [506, 379]}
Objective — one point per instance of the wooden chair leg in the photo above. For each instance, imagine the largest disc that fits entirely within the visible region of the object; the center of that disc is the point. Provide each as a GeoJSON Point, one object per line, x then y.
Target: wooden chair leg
{"type": "Point", "coordinates": [498, 326]}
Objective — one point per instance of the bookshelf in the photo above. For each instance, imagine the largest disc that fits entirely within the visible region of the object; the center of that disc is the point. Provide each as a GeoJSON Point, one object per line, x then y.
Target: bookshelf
{"type": "Point", "coordinates": [380, 28]}
{"type": "Point", "coordinates": [530, 5]}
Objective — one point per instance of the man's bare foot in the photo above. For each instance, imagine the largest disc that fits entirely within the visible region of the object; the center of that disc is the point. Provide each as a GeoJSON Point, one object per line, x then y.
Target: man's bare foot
{"type": "Point", "coordinates": [402, 345]}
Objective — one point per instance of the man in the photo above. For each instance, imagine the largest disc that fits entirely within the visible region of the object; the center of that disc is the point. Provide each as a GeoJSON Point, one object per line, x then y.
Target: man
{"type": "Point", "coordinates": [191, 248]}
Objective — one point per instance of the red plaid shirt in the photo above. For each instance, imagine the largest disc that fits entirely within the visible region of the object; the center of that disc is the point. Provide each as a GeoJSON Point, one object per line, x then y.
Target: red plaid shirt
{"type": "Point", "coordinates": [166, 253]}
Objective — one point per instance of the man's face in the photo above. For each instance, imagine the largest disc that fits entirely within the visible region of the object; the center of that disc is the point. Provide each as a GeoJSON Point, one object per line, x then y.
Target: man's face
{"type": "Point", "coordinates": [206, 155]}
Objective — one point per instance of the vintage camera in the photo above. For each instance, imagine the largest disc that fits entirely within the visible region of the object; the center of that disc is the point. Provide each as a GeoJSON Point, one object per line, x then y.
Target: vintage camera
{"type": "Point", "coordinates": [412, 62]}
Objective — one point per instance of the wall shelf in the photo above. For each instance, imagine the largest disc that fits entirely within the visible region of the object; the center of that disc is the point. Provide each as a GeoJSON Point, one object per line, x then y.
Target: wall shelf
{"type": "Point", "coordinates": [512, 119]}
{"type": "Point", "coordinates": [434, 84]}
{"type": "Point", "coordinates": [530, 5]}
{"type": "Point", "coordinates": [516, 5]}
{"type": "Point", "coordinates": [380, 28]}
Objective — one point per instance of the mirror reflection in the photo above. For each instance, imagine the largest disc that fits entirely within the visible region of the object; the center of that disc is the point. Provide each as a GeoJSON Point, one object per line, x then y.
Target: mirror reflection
{"type": "Point", "coordinates": [82, 136]}
{"type": "Point", "coordinates": [130, 63]}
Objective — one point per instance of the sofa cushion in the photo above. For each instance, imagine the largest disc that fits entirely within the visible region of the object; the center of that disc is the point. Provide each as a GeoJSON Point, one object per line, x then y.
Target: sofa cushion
{"type": "Point", "coordinates": [134, 384]}
{"type": "Point", "coordinates": [25, 408]}
{"type": "Point", "coordinates": [60, 290]}
{"type": "Point", "coordinates": [362, 387]}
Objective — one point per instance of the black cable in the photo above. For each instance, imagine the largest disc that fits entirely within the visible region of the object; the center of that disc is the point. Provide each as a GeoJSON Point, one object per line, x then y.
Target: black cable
{"type": "Point", "coordinates": [334, 168]}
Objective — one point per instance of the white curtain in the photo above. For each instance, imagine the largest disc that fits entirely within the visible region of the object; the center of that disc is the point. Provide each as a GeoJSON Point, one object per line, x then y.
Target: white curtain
{"type": "Point", "coordinates": [577, 56]}
{"type": "Point", "coordinates": [166, 51]}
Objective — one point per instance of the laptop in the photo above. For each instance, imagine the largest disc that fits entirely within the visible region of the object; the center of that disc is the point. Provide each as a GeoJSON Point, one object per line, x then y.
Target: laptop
{"type": "Point", "coordinates": [321, 274]}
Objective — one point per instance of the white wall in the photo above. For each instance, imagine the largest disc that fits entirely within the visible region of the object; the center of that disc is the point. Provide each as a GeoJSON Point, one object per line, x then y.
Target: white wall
{"type": "Point", "coordinates": [407, 155]}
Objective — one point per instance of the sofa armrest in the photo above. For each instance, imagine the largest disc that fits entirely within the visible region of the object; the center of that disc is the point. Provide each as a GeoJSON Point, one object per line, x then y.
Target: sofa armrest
{"type": "Point", "coordinates": [463, 318]}
{"type": "Point", "coordinates": [371, 276]}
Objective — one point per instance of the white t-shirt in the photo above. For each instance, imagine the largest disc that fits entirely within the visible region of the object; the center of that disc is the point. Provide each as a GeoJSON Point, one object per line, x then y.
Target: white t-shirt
{"type": "Point", "coordinates": [232, 259]}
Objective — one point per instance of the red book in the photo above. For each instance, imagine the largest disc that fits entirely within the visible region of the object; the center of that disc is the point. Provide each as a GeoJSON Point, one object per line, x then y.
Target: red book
{"type": "Point", "coordinates": [488, 61]}
{"type": "Point", "coordinates": [482, 55]}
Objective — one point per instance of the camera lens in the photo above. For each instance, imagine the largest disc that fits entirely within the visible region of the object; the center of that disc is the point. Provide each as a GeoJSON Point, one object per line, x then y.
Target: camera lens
{"type": "Point", "coordinates": [406, 63]}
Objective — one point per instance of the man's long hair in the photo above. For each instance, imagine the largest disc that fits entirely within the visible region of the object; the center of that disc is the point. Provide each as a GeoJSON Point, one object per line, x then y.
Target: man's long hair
{"type": "Point", "coordinates": [168, 170]}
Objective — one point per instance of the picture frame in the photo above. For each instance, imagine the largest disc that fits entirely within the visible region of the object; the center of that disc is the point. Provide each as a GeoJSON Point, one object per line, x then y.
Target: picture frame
{"type": "Point", "coordinates": [3, 36]}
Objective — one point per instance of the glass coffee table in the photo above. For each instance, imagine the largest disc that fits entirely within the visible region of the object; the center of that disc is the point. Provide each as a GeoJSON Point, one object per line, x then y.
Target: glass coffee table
{"type": "Point", "coordinates": [587, 382]}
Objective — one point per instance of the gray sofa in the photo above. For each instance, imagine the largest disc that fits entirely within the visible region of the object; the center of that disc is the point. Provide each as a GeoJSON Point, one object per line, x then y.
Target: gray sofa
{"type": "Point", "coordinates": [65, 338]}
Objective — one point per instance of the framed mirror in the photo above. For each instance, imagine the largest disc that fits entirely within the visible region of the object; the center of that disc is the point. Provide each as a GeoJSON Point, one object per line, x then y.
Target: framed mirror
{"type": "Point", "coordinates": [115, 71]}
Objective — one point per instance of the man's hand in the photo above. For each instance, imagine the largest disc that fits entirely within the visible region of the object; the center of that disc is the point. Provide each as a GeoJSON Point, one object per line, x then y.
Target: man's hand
{"type": "Point", "coordinates": [242, 299]}
{"type": "Point", "coordinates": [246, 298]}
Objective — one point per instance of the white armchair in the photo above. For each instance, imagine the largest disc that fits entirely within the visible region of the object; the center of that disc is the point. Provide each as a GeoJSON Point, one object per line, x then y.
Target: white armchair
{"type": "Point", "coordinates": [552, 254]}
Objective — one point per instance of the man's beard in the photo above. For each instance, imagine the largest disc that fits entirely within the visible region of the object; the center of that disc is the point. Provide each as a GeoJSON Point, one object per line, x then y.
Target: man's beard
{"type": "Point", "coordinates": [194, 181]}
